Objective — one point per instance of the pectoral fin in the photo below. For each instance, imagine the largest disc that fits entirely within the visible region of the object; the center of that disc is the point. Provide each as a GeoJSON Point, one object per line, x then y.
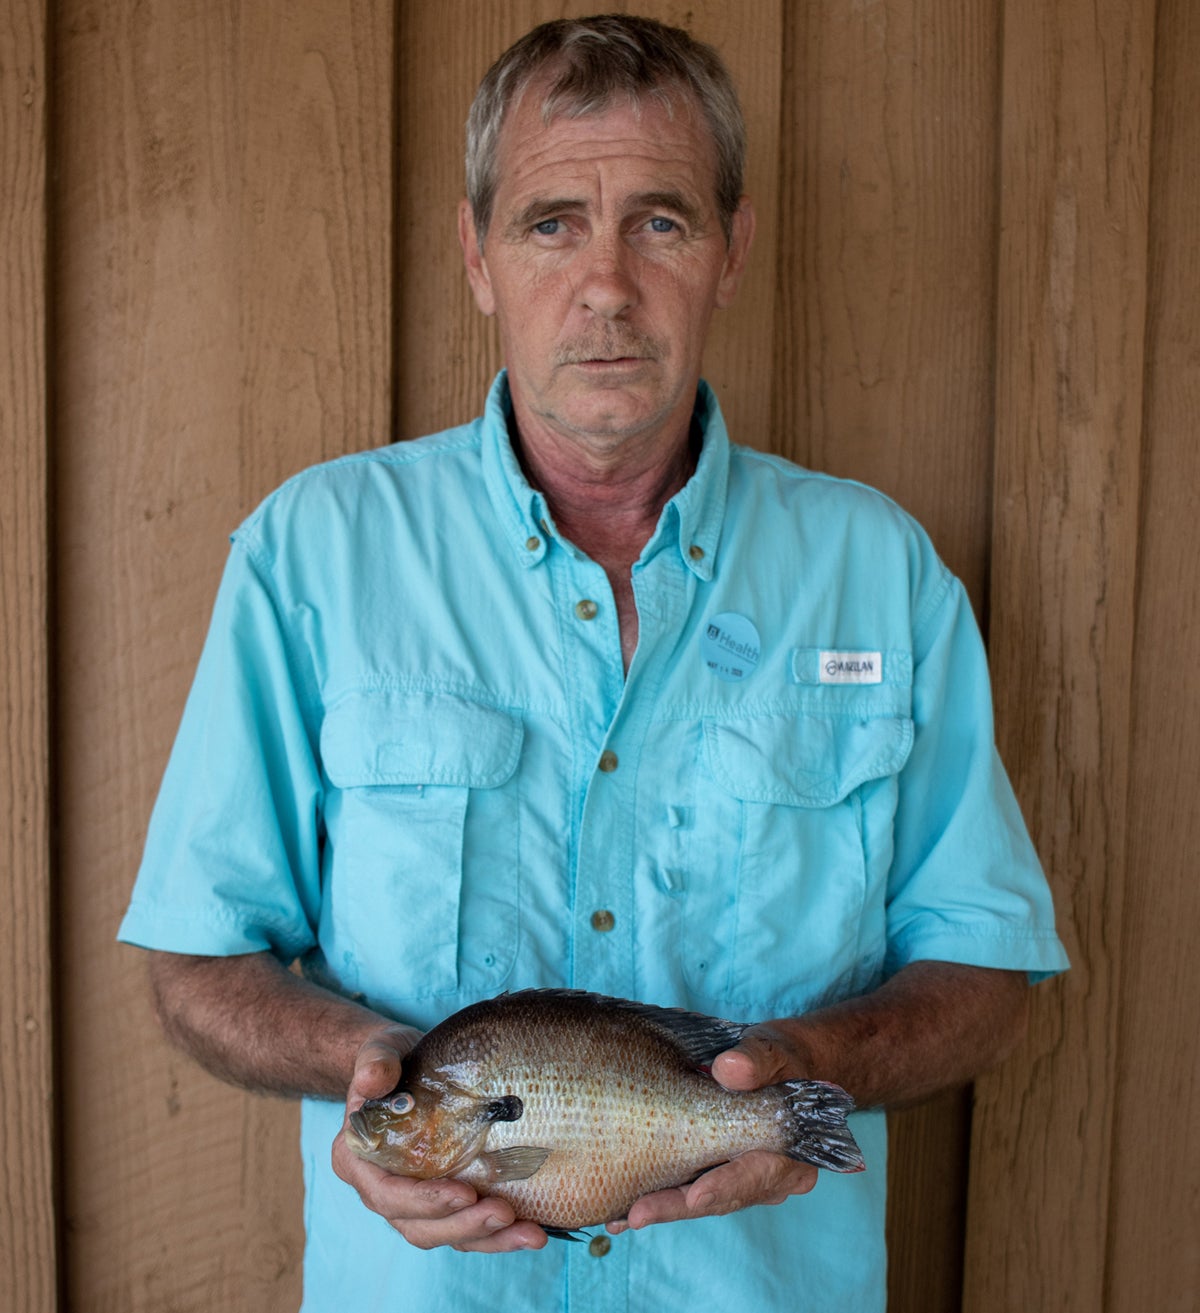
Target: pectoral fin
{"type": "Point", "coordinates": [514, 1164]}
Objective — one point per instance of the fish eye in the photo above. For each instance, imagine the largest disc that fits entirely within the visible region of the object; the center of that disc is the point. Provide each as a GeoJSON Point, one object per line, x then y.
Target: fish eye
{"type": "Point", "coordinates": [401, 1103]}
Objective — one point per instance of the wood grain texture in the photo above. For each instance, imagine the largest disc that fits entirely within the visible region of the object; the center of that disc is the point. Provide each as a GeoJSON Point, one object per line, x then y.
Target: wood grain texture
{"type": "Point", "coordinates": [28, 1222]}
{"type": "Point", "coordinates": [1153, 1241]}
{"type": "Point", "coordinates": [888, 215]}
{"type": "Point", "coordinates": [1070, 356]}
{"type": "Point", "coordinates": [224, 276]}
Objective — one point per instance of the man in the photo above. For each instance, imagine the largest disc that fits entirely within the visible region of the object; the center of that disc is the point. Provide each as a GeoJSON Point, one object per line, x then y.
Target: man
{"type": "Point", "coordinates": [579, 694]}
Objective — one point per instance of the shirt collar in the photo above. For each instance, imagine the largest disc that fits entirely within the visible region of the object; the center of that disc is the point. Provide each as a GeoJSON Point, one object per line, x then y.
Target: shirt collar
{"type": "Point", "coordinates": [693, 517]}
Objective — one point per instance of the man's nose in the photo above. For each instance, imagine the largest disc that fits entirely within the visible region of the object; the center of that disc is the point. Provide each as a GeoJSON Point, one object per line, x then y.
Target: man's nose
{"type": "Point", "coordinates": [608, 287]}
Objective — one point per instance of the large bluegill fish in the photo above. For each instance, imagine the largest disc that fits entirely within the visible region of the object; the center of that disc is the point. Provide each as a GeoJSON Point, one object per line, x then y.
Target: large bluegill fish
{"type": "Point", "coordinates": [571, 1106]}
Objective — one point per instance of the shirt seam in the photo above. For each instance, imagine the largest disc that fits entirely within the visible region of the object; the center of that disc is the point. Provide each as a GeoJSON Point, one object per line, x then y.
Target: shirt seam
{"type": "Point", "coordinates": [308, 689]}
{"type": "Point", "coordinates": [474, 693]}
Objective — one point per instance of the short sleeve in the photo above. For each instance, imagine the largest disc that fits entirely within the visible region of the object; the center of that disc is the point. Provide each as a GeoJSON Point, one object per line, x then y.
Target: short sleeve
{"type": "Point", "coordinates": [966, 884]}
{"type": "Point", "coordinates": [231, 863]}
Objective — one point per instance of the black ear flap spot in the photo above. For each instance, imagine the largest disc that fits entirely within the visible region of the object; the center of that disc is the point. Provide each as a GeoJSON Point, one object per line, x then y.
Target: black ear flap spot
{"type": "Point", "coordinates": [508, 1109]}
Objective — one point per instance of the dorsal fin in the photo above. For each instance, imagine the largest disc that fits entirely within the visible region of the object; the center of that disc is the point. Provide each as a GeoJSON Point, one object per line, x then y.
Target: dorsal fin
{"type": "Point", "coordinates": [698, 1037]}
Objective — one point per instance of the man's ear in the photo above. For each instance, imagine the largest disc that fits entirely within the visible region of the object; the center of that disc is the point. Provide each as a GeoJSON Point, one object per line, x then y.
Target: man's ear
{"type": "Point", "coordinates": [477, 270]}
{"type": "Point", "coordinates": [741, 237]}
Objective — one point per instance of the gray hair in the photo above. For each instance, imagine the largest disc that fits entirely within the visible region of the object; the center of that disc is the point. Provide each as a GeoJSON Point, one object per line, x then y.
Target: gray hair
{"type": "Point", "coordinates": [592, 63]}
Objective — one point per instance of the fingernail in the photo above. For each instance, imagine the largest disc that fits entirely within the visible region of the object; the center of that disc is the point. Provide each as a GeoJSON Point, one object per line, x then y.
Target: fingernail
{"type": "Point", "coordinates": [705, 1200]}
{"type": "Point", "coordinates": [495, 1224]}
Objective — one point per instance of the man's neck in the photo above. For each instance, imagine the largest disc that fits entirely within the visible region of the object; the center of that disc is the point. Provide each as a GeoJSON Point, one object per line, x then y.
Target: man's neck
{"type": "Point", "coordinates": [608, 505]}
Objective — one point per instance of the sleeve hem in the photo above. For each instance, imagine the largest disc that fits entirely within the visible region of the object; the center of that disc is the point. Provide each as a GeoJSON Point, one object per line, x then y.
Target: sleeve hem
{"type": "Point", "coordinates": [204, 936]}
{"type": "Point", "coordinates": [1038, 953]}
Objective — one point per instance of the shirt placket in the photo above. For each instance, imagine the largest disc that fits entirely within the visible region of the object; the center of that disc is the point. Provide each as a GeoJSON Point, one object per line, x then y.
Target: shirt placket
{"type": "Point", "coordinates": [615, 712]}
{"type": "Point", "coordinates": [612, 714]}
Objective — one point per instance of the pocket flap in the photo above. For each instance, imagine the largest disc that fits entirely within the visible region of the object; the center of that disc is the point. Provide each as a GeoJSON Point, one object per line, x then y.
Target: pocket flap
{"type": "Point", "coordinates": [423, 738]}
{"type": "Point", "coordinates": [804, 760]}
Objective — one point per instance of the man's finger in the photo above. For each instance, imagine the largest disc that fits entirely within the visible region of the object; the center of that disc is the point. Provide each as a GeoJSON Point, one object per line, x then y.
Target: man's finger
{"type": "Point", "coordinates": [757, 1177]}
{"type": "Point", "coordinates": [377, 1063]}
{"type": "Point", "coordinates": [759, 1058]}
{"type": "Point", "coordinates": [477, 1230]}
{"type": "Point", "coordinates": [430, 1214]}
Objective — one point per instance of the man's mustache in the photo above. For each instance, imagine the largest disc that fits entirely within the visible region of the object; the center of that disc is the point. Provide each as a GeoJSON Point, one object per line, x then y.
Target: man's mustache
{"type": "Point", "coordinates": [610, 345]}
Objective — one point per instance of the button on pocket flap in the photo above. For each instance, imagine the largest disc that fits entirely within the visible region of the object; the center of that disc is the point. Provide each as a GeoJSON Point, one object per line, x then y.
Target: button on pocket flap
{"type": "Point", "coordinates": [805, 760]}
{"type": "Point", "coordinates": [429, 738]}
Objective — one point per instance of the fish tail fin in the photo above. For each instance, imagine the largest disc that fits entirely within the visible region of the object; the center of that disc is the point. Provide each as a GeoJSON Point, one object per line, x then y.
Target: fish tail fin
{"type": "Point", "coordinates": [819, 1133]}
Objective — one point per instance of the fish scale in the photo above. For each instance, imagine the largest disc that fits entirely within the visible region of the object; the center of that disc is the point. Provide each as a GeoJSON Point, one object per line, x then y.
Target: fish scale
{"type": "Point", "coordinates": [614, 1100]}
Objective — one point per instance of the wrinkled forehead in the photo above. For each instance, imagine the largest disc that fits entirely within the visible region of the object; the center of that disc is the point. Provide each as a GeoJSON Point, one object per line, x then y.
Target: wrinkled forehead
{"type": "Point", "coordinates": [665, 120]}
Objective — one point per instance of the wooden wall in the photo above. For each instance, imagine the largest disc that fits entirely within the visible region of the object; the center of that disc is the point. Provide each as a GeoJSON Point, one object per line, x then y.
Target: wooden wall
{"type": "Point", "coordinates": [227, 251]}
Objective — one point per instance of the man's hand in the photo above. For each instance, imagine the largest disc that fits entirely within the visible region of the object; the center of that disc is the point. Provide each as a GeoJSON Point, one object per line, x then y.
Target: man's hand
{"type": "Point", "coordinates": [426, 1213]}
{"type": "Point", "coordinates": [757, 1177]}
{"type": "Point", "coordinates": [931, 1026]}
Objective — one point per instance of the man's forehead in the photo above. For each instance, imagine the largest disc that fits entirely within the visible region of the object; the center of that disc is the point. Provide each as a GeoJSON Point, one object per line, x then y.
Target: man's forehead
{"type": "Point", "coordinates": [644, 137]}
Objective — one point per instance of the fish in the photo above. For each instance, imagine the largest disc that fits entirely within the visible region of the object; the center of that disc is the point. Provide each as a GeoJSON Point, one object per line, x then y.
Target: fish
{"type": "Point", "coordinates": [571, 1105]}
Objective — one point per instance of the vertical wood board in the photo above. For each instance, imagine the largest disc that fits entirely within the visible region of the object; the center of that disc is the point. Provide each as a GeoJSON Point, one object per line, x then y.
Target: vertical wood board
{"type": "Point", "coordinates": [1152, 1258]}
{"type": "Point", "coordinates": [1074, 184]}
{"type": "Point", "coordinates": [224, 287]}
{"type": "Point", "coordinates": [888, 222]}
{"type": "Point", "coordinates": [28, 1221]}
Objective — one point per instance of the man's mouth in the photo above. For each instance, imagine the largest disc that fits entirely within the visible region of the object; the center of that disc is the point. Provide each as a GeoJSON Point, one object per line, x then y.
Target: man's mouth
{"type": "Point", "coordinates": [607, 361]}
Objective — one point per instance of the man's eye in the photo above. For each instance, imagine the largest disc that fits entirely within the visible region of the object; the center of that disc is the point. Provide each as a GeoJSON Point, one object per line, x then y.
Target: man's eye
{"type": "Point", "coordinates": [548, 227]}
{"type": "Point", "coordinates": [659, 224]}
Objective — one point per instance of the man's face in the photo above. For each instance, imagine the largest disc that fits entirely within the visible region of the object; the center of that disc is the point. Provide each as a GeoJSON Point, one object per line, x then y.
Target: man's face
{"type": "Point", "coordinates": [603, 262]}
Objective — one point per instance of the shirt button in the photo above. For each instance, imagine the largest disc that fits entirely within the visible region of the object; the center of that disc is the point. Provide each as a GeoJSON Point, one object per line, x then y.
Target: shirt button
{"type": "Point", "coordinates": [533, 543]}
{"type": "Point", "coordinates": [603, 920]}
{"type": "Point", "coordinates": [599, 1245]}
{"type": "Point", "coordinates": [608, 761]}
{"type": "Point", "coordinates": [696, 552]}
{"type": "Point", "coordinates": [586, 610]}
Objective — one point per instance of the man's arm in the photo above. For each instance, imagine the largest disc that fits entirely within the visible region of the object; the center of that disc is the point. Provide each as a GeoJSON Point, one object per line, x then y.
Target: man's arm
{"type": "Point", "coordinates": [932, 1026]}
{"type": "Point", "coordinates": [250, 1021]}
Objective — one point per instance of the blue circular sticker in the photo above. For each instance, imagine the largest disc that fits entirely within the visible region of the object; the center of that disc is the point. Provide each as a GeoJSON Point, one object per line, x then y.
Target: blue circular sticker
{"type": "Point", "coordinates": [730, 646]}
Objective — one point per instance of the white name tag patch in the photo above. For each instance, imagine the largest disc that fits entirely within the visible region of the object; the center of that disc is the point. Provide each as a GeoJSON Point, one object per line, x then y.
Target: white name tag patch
{"type": "Point", "coordinates": [851, 667]}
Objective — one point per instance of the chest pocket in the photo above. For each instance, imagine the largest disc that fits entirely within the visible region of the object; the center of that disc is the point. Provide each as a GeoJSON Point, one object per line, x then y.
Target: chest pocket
{"type": "Point", "coordinates": [420, 865]}
{"type": "Point", "coordinates": [806, 801]}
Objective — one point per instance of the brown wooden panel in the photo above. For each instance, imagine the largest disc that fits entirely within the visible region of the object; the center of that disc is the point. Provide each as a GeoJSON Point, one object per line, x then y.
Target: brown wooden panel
{"type": "Point", "coordinates": [887, 257]}
{"type": "Point", "coordinates": [1074, 184]}
{"type": "Point", "coordinates": [1154, 1232]}
{"type": "Point", "coordinates": [446, 351]}
{"type": "Point", "coordinates": [884, 367]}
{"type": "Point", "coordinates": [224, 290]}
{"type": "Point", "coordinates": [28, 1279]}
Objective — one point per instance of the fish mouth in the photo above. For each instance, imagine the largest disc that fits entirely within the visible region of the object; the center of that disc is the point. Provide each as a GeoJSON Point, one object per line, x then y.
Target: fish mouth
{"type": "Point", "coordinates": [359, 1132]}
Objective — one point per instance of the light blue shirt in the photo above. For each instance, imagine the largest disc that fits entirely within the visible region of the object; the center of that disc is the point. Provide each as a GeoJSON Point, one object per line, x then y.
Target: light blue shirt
{"type": "Point", "coordinates": [411, 758]}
